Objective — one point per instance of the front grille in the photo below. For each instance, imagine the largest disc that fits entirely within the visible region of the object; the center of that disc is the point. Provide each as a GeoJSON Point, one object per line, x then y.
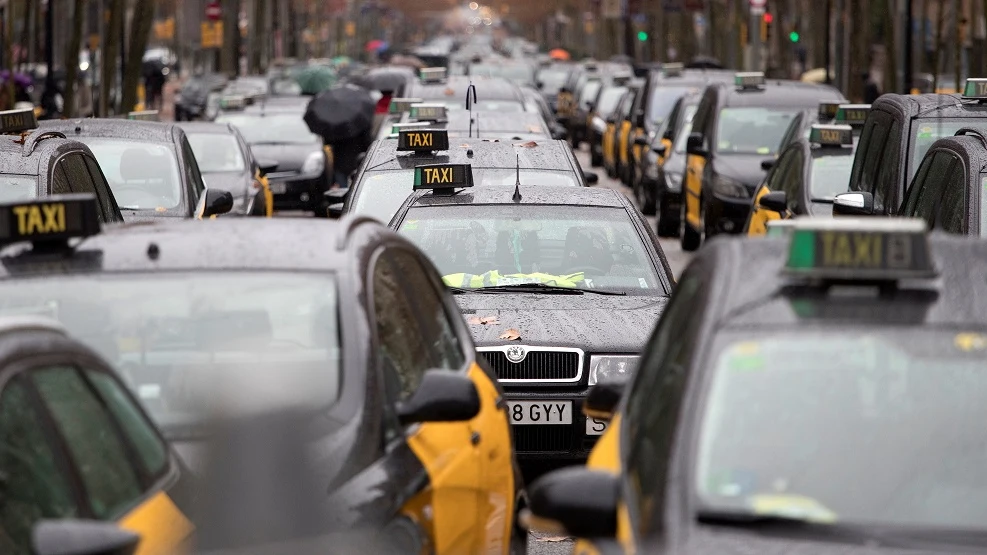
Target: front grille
{"type": "Point", "coordinates": [537, 366]}
{"type": "Point", "coordinates": [529, 439]}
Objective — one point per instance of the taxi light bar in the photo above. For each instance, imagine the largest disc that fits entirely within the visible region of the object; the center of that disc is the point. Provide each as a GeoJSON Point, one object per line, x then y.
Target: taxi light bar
{"type": "Point", "coordinates": [422, 140]}
{"type": "Point", "coordinates": [17, 121]}
{"type": "Point", "coordinates": [233, 102]}
{"type": "Point", "coordinates": [428, 112]}
{"type": "Point", "coordinates": [975, 89]}
{"type": "Point", "coordinates": [398, 127]}
{"type": "Point", "coordinates": [831, 135]}
{"type": "Point", "coordinates": [432, 74]}
{"type": "Point", "coordinates": [827, 110]}
{"type": "Point", "coordinates": [144, 115]}
{"type": "Point", "coordinates": [53, 219]}
{"type": "Point", "coordinates": [852, 114]}
{"type": "Point", "coordinates": [859, 249]}
{"type": "Point", "coordinates": [401, 105]}
{"type": "Point", "coordinates": [443, 176]}
{"type": "Point", "coordinates": [672, 69]}
{"type": "Point", "coordinates": [749, 79]}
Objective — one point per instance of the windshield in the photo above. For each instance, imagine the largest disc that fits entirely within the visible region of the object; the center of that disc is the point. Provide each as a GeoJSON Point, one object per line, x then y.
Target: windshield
{"type": "Point", "coordinates": [872, 427]}
{"type": "Point", "coordinates": [663, 100]}
{"type": "Point", "coordinates": [183, 341]}
{"type": "Point", "coordinates": [569, 246]}
{"type": "Point", "coordinates": [142, 176]}
{"type": "Point", "coordinates": [751, 130]}
{"type": "Point", "coordinates": [520, 74]}
{"type": "Point", "coordinates": [830, 172]}
{"type": "Point", "coordinates": [589, 93]}
{"type": "Point", "coordinates": [552, 80]}
{"type": "Point", "coordinates": [609, 99]}
{"type": "Point", "coordinates": [927, 131]}
{"type": "Point", "coordinates": [216, 153]}
{"type": "Point", "coordinates": [17, 187]}
{"type": "Point", "coordinates": [279, 129]}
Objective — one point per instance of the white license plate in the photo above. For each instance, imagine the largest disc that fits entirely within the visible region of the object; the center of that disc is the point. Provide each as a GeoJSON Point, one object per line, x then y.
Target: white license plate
{"type": "Point", "coordinates": [595, 427]}
{"type": "Point", "coordinates": [279, 188]}
{"type": "Point", "coordinates": [539, 412]}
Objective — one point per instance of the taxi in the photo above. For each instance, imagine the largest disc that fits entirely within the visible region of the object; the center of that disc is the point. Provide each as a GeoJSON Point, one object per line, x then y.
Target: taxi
{"type": "Point", "coordinates": [195, 314]}
{"type": "Point", "coordinates": [479, 124]}
{"type": "Point", "coordinates": [149, 165]}
{"type": "Point", "coordinates": [627, 132]}
{"type": "Point", "coordinates": [498, 95]}
{"type": "Point", "coordinates": [863, 337]}
{"type": "Point", "coordinates": [898, 132]}
{"type": "Point", "coordinates": [623, 128]}
{"type": "Point", "coordinates": [559, 286]}
{"type": "Point", "coordinates": [37, 164]}
{"type": "Point", "coordinates": [381, 183]}
{"type": "Point", "coordinates": [736, 128]}
{"type": "Point", "coordinates": [608, 144]}
{"type": "Point", "coordinates": [601, 110]}
{"type": "Point", "coordinates": [659, 189]}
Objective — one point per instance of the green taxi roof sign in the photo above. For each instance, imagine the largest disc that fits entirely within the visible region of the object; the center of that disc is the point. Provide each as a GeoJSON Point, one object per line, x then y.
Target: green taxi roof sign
{"type": "Point", "coordinates": [17, 121]}
{"type": "Point", "coordinates": [428, 112]}
{"type": "Point", "coordinates": [859, 249]}
{"type": "Point", "coordinates": [672, 69]}
{"type": "Point", "coordinates": [975, 88]}
{"type": "Point", "coordinates": [233, 102]}
{"type": "Point", "coordinates": [443, 176]}
{"type": "Point", "coordinates": [144, 115]}
{"type": "Point", "coordinates": [402, 105]}
{"type": "Point", "coordinates": [827, 110]}
{"type": "Point", "coordinates": [749, 79]}
{"type": "Point", "coordinates": [432, 74]}
{"type": "Point", "coordinates": [422, 140]}
{"type": "Point", "coordinates": [831, 135]}
{"type": "Point", "coordinates": [852, 114]}
{"type": "Point", "coordinates": [396, 128]}
{"type": "Point", "coordinates": [53, 219]}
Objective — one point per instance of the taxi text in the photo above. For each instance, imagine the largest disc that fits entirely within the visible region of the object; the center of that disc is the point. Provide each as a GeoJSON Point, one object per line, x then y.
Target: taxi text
{"type": "Point", "coordinates": [44, 218]}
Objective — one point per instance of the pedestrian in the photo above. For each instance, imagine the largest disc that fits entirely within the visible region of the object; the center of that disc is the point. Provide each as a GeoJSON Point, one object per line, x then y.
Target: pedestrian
{"type": "Point", "coordinates": [385, 101]}
{"type": "Point", "coordinates": [871, 88]}
{"type": "Point", "coordinates": [346, 157]}
{"type": "Point", "coordinates": [153, 86]}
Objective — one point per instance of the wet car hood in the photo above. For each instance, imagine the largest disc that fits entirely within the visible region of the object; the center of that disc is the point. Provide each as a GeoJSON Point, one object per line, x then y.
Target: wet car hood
{"type": "Point", "coordinates": [725, 541]}
{"type": "Point", "coordinates": [590, 322]}
{"type": "Point", "coordinates": [289, 157]}
{"type": "Point", "coordinates": [745, 168]}
{"type": "Point", "coordinates": [237, 183]}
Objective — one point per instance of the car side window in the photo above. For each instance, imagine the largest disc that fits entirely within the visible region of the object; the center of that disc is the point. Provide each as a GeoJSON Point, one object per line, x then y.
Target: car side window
{"type": "Point", "coordinates": [60, 181]}
{"type": "Point", "coordinates": [33, 485]}
{"type": "Point", "coordinates": [792, 183]}
{"type": "Point", "coordinates": [863, 142]}
{"type": "Point", "coordinates": [886, 192]}
{"type": "Point", "coordinates": [874, 155]}
{"type": "Point", "coordinates": [776, 179]}
{"type": "Point", "coordinates": [952, 212]}
{"type": "Point", "coordinates": [195, 176]}
{"type": "Point", "coordinates": [103, 191]}
{"type": "Point", "coordinates": [918, 183]}
{"type": "Point", "coordinates": [929, 196]}
{"type": "Point", "coordinates": [94, 444]}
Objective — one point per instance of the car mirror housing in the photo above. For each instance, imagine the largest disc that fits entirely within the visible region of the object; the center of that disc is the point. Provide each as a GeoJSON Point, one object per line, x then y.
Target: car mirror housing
{"type": "Point", "coordinates": [592, 178]}
{"type": "Point", "coordinates": [602, 399]}
{"type": "Point", "coordinates": [442, 396]}
{"type": "Point", "coordinates": [694, 144]}
{"type": "Point", "coordinates": [853, 204]}
{"type": "Point", "coordinates": [577, 501]}
{"type": "Point", "coordinates": [774, 200]}
{"type": "Point", "coordinates": [767, 164]}
{"type": "Point", "coordinates": [214, 202]}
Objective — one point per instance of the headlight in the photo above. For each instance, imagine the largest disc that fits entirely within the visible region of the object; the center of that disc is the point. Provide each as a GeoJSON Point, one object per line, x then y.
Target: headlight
{"type": "Point", "coordinates": [604, 367]}
{"type": "Point", "coordinates": [314, 164]}
{"type": "Point", "coordinates": [599, 125]}
{"type": "Point", "coordinates": [674, 181]}
{"type": "Point", "coordinates": [726, 187]}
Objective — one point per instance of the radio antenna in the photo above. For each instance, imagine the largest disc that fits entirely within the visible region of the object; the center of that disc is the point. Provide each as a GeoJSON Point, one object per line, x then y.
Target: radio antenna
{"type": "Point", "coordinates": [517, 184]}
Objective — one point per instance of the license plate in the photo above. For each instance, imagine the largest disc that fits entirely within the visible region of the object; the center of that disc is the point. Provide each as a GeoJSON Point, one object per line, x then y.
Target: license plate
{"type": "Point", "coordinates": [279, 188]}
{"type": "Point", "coordinates": [540, 412]}
{"type": "Point", "coordinates": [595, 427]}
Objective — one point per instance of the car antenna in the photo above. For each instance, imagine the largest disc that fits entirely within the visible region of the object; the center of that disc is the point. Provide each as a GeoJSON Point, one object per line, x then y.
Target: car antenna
{"type": "Point", "coordinates": [469, 104]}
{"type": "Point", "coordinates": [517, 184]}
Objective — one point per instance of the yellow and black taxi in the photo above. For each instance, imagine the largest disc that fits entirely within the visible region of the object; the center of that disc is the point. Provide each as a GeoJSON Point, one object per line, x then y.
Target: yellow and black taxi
{"type": "Point", "coordinates": [549, 80]}
{"type": "Point", "coordinates": [559, 285]}
{"type": "Point", "coordinates": [149, 165]}
{"type": "Point", "coordinates": [36, 164]}
{"type": "Point", "coordinates": [601, 110]}
{"type": "Point", "coordinates": [735, 129]}
{"type": "Point", "coordinates": [659, 189]}
{"type": "Point", "coordinates": [227, 163]}
{"type": "Point", "coordinates": [817, 393]}
{"type": "Point", "coordinates": [623, 128]}
{"type": "Point", "coordinates": [195, 314]}
{"type": "Point", "coordinates": [303, 163]}
{"type": "Point", "coordinates": [898, 132]}
{"type": "Point", "coordinates": [570, 93]}
{"type": "Point", "coordinates": [381, 183]}
{"type": "Point", "coordinates": [608, 143]}
{"type": "Point", "coordinates": [480, 124]}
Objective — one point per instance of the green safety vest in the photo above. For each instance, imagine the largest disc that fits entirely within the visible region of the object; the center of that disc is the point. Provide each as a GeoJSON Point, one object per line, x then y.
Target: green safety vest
{"type": "Point", "coordinates": [492, 278]}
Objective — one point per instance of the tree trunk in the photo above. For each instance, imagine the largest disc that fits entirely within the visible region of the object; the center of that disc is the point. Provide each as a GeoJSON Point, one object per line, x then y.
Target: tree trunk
{"type": "Point", "coordinates": [957, 45]}
{"type": "Point", "coordinates": [258, 40]}
{"type": "Point", "coordinates": [890, 46]}
{"type": "Point", "coordinates": [72, 56]}
{"type": "Point", "coordinates": [860, 61]}
{"type": "Point", "coordinates": [140, 27]}
{"type": "Point", "coordinates": [110, 53]}
{"type": "Point", "coordinates": [938, 43]}
{"type": "Point", "coordinates": [25, 40]}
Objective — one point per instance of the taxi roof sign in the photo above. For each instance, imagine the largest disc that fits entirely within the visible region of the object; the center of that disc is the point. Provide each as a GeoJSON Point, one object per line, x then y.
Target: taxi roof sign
{"type": "Point", "coordinates": [17, 121]}
{"type": "Point", "coordinates": [827, 110]}
{"type": "Point", "coordinates": [432, 74]}
{"type": "Point", "coordinates": [852, 114]}
{"type": "Point", "coordinates": [53, 219]}
{"type": "Point", "coordinates": [672, 69]}
{"type": "Point", "coordinates": [831, 135]}
{"type": "Point", "coordinates": [975, 88]}
{"type": "Point", "coordinates": [398, 127]}
{"type": "Point", "coordinates": [443, 176]}
{"type": "Point", "coordinates": [144, 115]}
{"type": "Point", "coordinates": [233, 102]}
{"type": "Point", "coordinates": [422, 140]}
{"type": "Point", "coordinates": [401, 105]}
{"type": "Point", "coordinates": [859, 249]}
{"type": "Point", "coordinates": [748, 79]}
{"type": "Point", "coordinates": [428, 112]}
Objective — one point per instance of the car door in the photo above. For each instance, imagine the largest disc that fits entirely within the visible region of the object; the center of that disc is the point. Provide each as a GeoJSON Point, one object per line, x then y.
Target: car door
{"type": "Point", "coordinates": [696, 164]}
{"type": "Point", "coordinates": [938, 192]}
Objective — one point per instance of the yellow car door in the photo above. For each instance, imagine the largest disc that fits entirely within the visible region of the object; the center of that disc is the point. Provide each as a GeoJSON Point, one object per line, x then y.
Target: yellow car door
{"type": "Point", "coordinates": [667, 143]}
{"type": "Point", "coordinates": [757, 226]}
{"type": "Point", "coordinates": [609, 162]}
{"type": "Point", "coordinates": [606, 456]}
{"type": "Point", "coordinates": [623, 136]}
{"type": "Point", "coordinates": [261, 182]}
{"type": "Point", "coordinates": [695, 166]}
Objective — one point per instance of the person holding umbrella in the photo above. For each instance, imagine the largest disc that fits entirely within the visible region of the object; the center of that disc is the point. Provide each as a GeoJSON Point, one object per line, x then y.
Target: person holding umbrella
{"type": "Point", "coordinates": [385, 101]}
{"type": "Point", "coordinates": [344, 117]}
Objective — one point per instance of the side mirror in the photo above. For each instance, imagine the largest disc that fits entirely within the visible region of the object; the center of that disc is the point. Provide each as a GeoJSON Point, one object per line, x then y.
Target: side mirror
{"type": "Point", "coordinates": [694, 144]}
{"type": "Point", "coordinates": [539, 85]}
{"type": "Point", "coordinates": [659, 149]}
{"type": "Point", "coordinates": [266, 166]}
{"type": "Point", "coordinates": [592, 178]}
{"type": "Point", "coordinates": [641, 140]}
{"type": "Point", "coordinates": [611, 119]}
{"type": "Point", "coordinates": [639, 118]}
{"type": "Point", "coordinates": [590, 106]}
{"type": "Point", "coordinates": [774, 200]}
{"type": "Point", "coordinates": [214, 202]}
{"type": "Point", "coordinates": [601, 400]}
{"type": "Point", "coordinates": [853, 204]}
{"type": "Point", "coordinates": [559, 132]}
{"type": "Point", "coordinates": [565, 90]}
{"type": "Point", "coordinates": [442, 396]}
{"type": "Point", "coordinates": [336, 200]}
{"type": "Point", "coordinates": [335, 211]}
{"type": "Point", "coordinates": [577, 501]}
{"type": "Point", "coordinates": [82, 537]}
{"type": "Point", "coordinates": [767, 164]}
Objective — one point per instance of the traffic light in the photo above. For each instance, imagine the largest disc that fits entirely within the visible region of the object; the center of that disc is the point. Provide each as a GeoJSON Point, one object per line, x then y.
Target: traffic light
{"type": "Point", "coordinates": [768, 18]}
{"type": "Point", "coordinates": [766, 21]}
{"type": "Point", "coordinates": [793, 36]}
{"type": "Point", "coordinates": [642, 36]}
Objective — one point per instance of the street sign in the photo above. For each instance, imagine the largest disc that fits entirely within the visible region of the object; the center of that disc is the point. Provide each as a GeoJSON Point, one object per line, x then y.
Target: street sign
{"type": "Point", "coordinates": [211, 34]}
{"type": "Point", "coordinates": [214, 12]}
{"type": "Point", "coordinates": [758, 4]}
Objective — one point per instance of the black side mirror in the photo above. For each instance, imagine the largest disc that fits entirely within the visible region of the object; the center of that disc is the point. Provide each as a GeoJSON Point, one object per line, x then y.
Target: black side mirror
{"type": "Point", "coordinates": [559, 132]}
{"type": "Point", "coordinates": [442, 396]}
{"type": "Point", "coordinates": [214, 202]}
{"type": "Point", "coordinates": [659, 149]}
{"type": "Point", "coordinates": [767, 164]}
{"type": "Point", "coordinates": [639, 119]}
{"type": "Point", "coordinates": [694, 144]}
{"type": "Point", "coordinates": [774, 200]}
{"type": "Point", "coordinates": [592, 178]}
{"type": "Point", "coordinates": [82, 537]}
{"type": "Point", "coordinates": [577, 501]}
{"type": "Point", "coordinates": [641, 140]}
{"type": "Point", "coordinates": [601, 400]}
{"type": "Point", "coordinates": [266, 166]}
{"type": "Point", "coordinates": [336, 200]}
{"type": "Point", "coordinates": [853, 204]}
{"type": "Point", "coordinates": [611, 119]}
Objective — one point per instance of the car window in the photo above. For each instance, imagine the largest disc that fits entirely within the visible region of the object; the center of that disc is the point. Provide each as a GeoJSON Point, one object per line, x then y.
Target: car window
{"type": "Point", "coordinates": [929, 196]}
{"type": "Point", "coordinates": [752, 130]}
{"type": "Point", "coordinates": [886, 187]}
{"type": "Point", "coordinates": [151, 449]}
{"type": "Point", "coordinates": [33, 485]}
{"type": "Point", "coordinates": [215, 152]}
{"type": "Point", "coordinates": [792, 182]}
{"type": "Point", "coordinates": [776, 179]}
{"type": "Point", "coordinates": [99, 454]}
{"type": "Point", "coordinates": [143, 175]}
{"type": "Point", "coordinates": [195, 176]}
{"type": "Point", "coordinates": [60, 184]}
{"type": "Point", "coordinates": [911, 196]}
{"type": "Point", "coordinates": [874, 155]}
{"type": "Point", "coordinates": [952, 212]}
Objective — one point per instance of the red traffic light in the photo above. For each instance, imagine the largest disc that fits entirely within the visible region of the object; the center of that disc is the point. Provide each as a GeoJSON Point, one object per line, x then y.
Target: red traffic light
{"type": "Point", "coordinates": [768, 18]}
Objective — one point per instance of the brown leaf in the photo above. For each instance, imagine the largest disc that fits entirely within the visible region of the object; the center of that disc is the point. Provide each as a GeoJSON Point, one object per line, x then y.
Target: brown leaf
{"type": "Point", "coordinates": [554, 539]}
{"type": "Point", "coordinates": [511, 335]}
{"type": "Point", "coordinates": [485, 320]}
{"type": "Point", "coordinates": [474, 321]}
{"type": "Point", "coordinates": [529, 144]}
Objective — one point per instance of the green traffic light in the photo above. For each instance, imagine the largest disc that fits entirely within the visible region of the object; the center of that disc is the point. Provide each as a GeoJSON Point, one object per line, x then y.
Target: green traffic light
{"type": "Point", "coordinates": [642, 36]}
{"type": "Point", "coordinates": [794, 36]}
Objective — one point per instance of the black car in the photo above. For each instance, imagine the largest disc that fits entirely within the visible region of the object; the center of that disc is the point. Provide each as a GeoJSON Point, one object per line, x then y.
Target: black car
{"type": "Point", "coordinates": [560, 286]}
{"type": "Point", "coordinates": [549, 79]}
{"type": "Point", "coordinates": [663, 166]}
{"type": "Point", "coordinates": [192, 100]}
{"type": "Point", "coordinates": [781, 372]}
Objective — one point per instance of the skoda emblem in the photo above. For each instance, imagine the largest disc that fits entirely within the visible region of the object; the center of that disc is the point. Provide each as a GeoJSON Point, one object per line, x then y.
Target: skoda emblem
{"type": "Point", "coordinates": [516, 354]}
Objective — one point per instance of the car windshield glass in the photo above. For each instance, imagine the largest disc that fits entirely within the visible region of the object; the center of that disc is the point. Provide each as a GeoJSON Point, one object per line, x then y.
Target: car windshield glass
{"type": "Point", "coordinates": [589, 93]}
{"type": "Point", "coordinates": [751, 130]}
{"type": "Point", "coordinates": [877, 427]}
{"type": "Point", "coordinates": [609, 99]}
{"type": "Point", "coordinates": [552, 80]}
{"type": "Point", "coordinates": [271, 129]}
{"type": "Point", "coordinates": [519, 74]}
{"type": "Point", "coordinates": [830, 172]}
{"type": "Point", "coordinates": [17, 187]}
{"type": "Point", "coordinates": [927, 131]}
{"type": "Point", "coordinates": [585, 247]}
{"type": "Point", "coordinates": [663, 100]}
{"type": "Point", "coordinates": [142, 176]}
{"type": "Point", "coordinates": [188, 342]}
{"type": "Point", "coordinates": [216, 153]}
{"type": "Point", "coordinates": [381, 194]}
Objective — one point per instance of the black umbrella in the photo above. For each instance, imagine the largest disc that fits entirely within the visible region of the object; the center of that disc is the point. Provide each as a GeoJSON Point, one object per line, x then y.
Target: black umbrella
{"type": "Point", "coordinates": [704, 62]}
{"type": "Point", "coordinates": [384, 80]}
{"type": "Point", "coordinates": [341, 113]}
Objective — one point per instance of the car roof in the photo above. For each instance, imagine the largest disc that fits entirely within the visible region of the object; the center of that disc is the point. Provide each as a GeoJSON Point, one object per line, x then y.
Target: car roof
{"type": "Point", "coordinates": [779, 93]}
{"type": "Point", "coordinates": [203, 127]}
{"type": "Point", "coordinates": [549, 154]}
{"type": "Point", "coordinates": [930, 106]}
{"type": "Point", "coordinates": [530, 194]}
{"type": "Point", "coordinates": [521, 122]}
{"type": "Point", "coordinates": [146, 131]}
{"type": "Point", "coordinates": [692, 77]}
{"type": "Point", "coordinates": [25, 160]}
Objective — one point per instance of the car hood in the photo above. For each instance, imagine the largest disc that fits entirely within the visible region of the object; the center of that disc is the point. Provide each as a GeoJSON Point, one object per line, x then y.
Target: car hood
{"type": "Point", "coordinates": [288, 157]}
{"type": "Point", "coordinates": [237, 183]}
{"type": "Point", "coordinates": [709, 541]}
{"type": "Point", "coordinates": [590, 322]}
{"type": "Point", "coordinates": [745, 168]}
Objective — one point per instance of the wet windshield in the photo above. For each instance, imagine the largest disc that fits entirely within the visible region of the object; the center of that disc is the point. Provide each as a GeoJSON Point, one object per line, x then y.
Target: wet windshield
{"type": "Point", "coordinates": [518, 73]}
{"type": "Point", "coordinates": [552, 80]}
{"type": "Point", "coordinates": [216, 153]}
{"type": "Point", "coordinates": [142, 176]}
{"type": "Point", "coordinates": [877, 427]}
{"type": "Point", "coordinates": [568, 246]}
{"type": "Point", "coordinates": [752, 130]}
{"type": "Point", "coordinates": [589, 93]}
{"type": "Point", "coordinates": [271, 129]}
{"type": "Point", "coordinates": [830, 172]}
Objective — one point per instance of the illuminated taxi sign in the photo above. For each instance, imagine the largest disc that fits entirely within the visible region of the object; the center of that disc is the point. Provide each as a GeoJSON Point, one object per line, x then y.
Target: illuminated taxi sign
{"type": "Point", "coordinates": [432, 74]}
{"type": "Point", "coordinates": [827, 110]}
{"type": "Point", "coordinates": [428, 112]}
{"type": "Point", "coordinates": [831, 135]}
{"type": "Point", "coordinates": [749, 79]}
{"type": "Point", "coordinates": [672, 69]}
{"type": "Point", "coordinates": [49, 219]}
{"type": "Point", "coordinates": [17, 121]}
{"type": "Point", "coordinates": [443, 176]}
{"type": "Point", "coordinates": [975, 89]}
{"type": "Point", "coordinates": [852, 114]}
{"type": "Point", "coordinates": [144, 115]}
{"type": "Point", "coordinates": [422, 140]}
{"type": "Point", "coordinates": [401, 105]}
{"type": "Point", "coordinates": [859, 249]}
{"type": "Point", "coordinates": [237, 102]}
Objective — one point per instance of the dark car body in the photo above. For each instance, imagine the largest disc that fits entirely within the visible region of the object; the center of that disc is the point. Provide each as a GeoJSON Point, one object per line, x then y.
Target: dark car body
{"type": "Point", "coordinates": [248, 198]}
{"type": "Point", "coordinates": [193, 98]}
{"type": "Point", "coordinates": [662, 167]}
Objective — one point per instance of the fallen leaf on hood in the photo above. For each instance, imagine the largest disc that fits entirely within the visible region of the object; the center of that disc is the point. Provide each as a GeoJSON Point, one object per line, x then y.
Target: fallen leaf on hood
{"type": "Point", "coordinates": [529, 144]}
{"type": "Point", "coordinates": [511, 335]}
{"type": "Point", "coordinates": [481, 320]}
{"type": "Point", "coordinates": [554, 539]}
{"type": "Point", "coordinates": [486, 320]}
{"type": "Point", "coordinates": [474, 321]}
{"type": "Point", "coordinates": [464, 145]}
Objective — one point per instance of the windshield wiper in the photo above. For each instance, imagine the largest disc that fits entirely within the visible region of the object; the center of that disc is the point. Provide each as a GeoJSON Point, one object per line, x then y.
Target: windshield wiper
{"type": "Point", "coordinates": [533, 288]}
